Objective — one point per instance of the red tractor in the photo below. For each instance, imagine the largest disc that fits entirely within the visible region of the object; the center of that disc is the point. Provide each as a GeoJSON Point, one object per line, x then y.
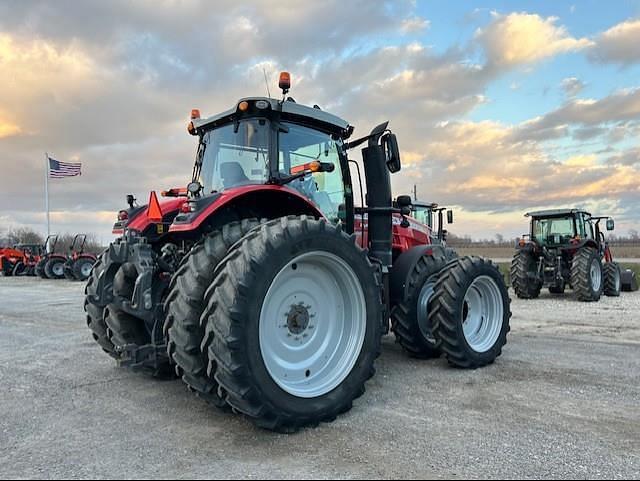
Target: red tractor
{"type": "Point", "coordinates": [265, 289]}
{"type": "Point", "coordinates": [79, 263]}
{"type": "Point", "coordinates": [51, 264]}
{"type": "Point", "coordinates": [20, 260]}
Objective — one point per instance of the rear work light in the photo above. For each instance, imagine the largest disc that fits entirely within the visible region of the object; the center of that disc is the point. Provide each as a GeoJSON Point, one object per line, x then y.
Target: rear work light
{"type": "Point", "coordinates": [188, 207]}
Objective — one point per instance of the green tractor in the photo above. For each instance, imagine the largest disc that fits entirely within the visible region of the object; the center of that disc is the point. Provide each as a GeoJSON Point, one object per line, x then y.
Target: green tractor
{"type": "Point", "coordinates": [566, 248]}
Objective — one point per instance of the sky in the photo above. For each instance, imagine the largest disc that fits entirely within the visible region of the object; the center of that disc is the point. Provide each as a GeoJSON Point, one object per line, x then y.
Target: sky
{"type": "Point", "coordinates": [500, 107]}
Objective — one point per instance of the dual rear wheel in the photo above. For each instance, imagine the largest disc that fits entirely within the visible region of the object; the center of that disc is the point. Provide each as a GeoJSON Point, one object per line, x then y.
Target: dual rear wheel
{"type": "Point", "coordinates": [458, 307]}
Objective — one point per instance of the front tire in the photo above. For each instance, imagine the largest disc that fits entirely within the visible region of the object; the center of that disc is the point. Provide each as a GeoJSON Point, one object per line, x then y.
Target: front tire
{"type": "Point", "coordinates": [294, 323]}
{"type": "Point", "coordinates": [612, 279]}
{"type": "Point", "coordinates": [587, 275]}
{"type": "Point", "coordinates": [96, 313]}
{"type": "Point", "coordinates": [470, 312]}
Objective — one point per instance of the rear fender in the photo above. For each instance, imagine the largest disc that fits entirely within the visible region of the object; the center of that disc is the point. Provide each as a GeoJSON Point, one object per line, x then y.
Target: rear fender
{"type": "Point", "coordinates": [90, 257]}
{"type": "Point", "coordinates": [256, 201]}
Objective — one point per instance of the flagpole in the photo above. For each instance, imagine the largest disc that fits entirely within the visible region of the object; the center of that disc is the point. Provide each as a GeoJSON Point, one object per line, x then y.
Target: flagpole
{"type": "Point", "coordinates": [46, 192]}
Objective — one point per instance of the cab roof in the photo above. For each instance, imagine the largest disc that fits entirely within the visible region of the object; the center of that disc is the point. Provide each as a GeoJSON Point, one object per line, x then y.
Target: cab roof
{"type": "Point", "coordinates": [556, 213]}
{"type": "Point", "coordinates": [289, 110]}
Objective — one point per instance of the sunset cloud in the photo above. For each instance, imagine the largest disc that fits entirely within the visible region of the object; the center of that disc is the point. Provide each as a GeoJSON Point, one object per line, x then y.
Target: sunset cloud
{"type": "Point", "coordinates": [522, 38]}
{"type": "Point", "coordinates": [619, 44]}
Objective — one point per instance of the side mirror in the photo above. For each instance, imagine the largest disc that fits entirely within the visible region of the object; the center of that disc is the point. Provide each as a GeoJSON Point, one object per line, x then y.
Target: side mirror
{"type": "Point", "coordinates": [449, 217]}
{"type": "Point", "coordinates": [392, 152]}
{"type": "Point", "coordinates": [611, 225]}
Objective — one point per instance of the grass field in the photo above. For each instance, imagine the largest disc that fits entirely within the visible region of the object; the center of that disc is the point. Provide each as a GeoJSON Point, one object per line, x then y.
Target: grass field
{"type": "Point", "coordinates": [631, 252]}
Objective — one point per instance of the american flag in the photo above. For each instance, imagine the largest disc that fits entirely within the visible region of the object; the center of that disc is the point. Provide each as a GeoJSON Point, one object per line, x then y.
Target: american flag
{"type": "Point", "coordinates": [58, 170]}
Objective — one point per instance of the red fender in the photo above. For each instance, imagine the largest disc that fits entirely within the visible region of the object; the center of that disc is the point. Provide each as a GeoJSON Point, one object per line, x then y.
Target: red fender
{"type": "Point", "coordinates": [196, 219]}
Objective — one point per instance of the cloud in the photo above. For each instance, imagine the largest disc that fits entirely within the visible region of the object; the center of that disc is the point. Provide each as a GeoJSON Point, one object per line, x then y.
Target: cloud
{"type": "Point", "coordinates": [414, 25]}
{"type": "Point", "coordinates": [523, 38]}
{"type": "Point", "coordinates": [572, 86]}
{"type": "Point", "coordinates": [630, 157]}
{"type": "Point", "coordinates": [620, 106]}
{"type": "Point", "coordinates": [619, 44]}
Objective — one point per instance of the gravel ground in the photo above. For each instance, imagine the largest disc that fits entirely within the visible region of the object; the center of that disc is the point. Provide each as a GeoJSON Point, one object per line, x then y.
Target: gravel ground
{"type": "Point", "coordinates": [562, 402]}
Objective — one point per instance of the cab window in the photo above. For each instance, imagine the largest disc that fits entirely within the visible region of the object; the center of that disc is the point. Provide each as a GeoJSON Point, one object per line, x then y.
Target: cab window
{"type": "Point", "coordinates": [300, 146]}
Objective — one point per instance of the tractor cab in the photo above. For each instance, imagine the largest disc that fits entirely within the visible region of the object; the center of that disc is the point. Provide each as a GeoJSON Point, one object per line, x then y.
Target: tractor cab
{"type": "Point", "coordinates": [426, 213]}
{"type": "Point", "coordinates": [267, 142]}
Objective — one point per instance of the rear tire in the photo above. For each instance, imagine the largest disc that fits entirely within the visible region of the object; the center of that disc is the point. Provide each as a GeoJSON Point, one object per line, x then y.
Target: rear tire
{"type": "Point", "coordinates": [587, 275]}
{"type": "Point", "coordinates": [524, 276]}
{"type": "Point", "coordinates": [313, 268]}
{"type": "Point", "coordinates": [410, 318]}
{"type": "Point", "coordinates": [81, 268]}
{"type": "Point", "coordinates": [612, 279]}
{"type": "Point", "coordinates": [185, 304]}
{"type": "Point", "coordinates": [54, 268]}
{"type": "Point", "coordinates": [470, 312]}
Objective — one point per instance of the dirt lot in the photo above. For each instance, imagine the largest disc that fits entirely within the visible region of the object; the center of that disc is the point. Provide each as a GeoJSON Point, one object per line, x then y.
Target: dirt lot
{"type": "Point", "coordinates": [562, 402]}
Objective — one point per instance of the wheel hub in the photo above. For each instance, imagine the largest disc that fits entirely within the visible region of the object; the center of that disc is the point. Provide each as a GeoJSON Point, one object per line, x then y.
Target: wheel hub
{"type": "Point", "coordinates": [299, 318]}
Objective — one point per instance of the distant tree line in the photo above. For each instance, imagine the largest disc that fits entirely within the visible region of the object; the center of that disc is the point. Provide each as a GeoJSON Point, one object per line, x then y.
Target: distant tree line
{"type": "Point", "coordinates": [631, 239]}
{"type": "Point", "coordinates": [25, 235]}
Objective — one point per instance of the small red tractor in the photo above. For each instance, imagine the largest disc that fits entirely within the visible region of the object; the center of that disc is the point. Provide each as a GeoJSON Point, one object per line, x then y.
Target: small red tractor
{"type": "Point", "coordinates": [79, 263]}
{"type": "Point", "coordinates": [20, 260]}
{"type": "Point", "coordinates": [51, 264]}
{"type": "Point", "coordinates": [265, 289]}
{"type": "Point", "coordinates": [566, 248]}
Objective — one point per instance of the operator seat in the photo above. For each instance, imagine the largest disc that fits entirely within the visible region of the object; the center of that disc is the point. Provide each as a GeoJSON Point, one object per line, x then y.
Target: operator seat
{"type": "Point", "coordinates": [232, 174]}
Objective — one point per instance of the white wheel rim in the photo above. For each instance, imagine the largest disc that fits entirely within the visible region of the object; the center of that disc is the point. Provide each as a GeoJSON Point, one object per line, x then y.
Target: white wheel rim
{"type": "Point", "coordinates": [312, 324]}
{"type": "Point", "coordinates": [483, 314]}
{"type": "Point", "coordinates": [618, 281]}
{"type": "Point", "coordinates": [596, 276]}
{"type": "Point", "coordinates": [426, 293]}
{"type": "Point", "coordinates": [86, 269]}
{"type": "Point", "coordinates": [58, 269]}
